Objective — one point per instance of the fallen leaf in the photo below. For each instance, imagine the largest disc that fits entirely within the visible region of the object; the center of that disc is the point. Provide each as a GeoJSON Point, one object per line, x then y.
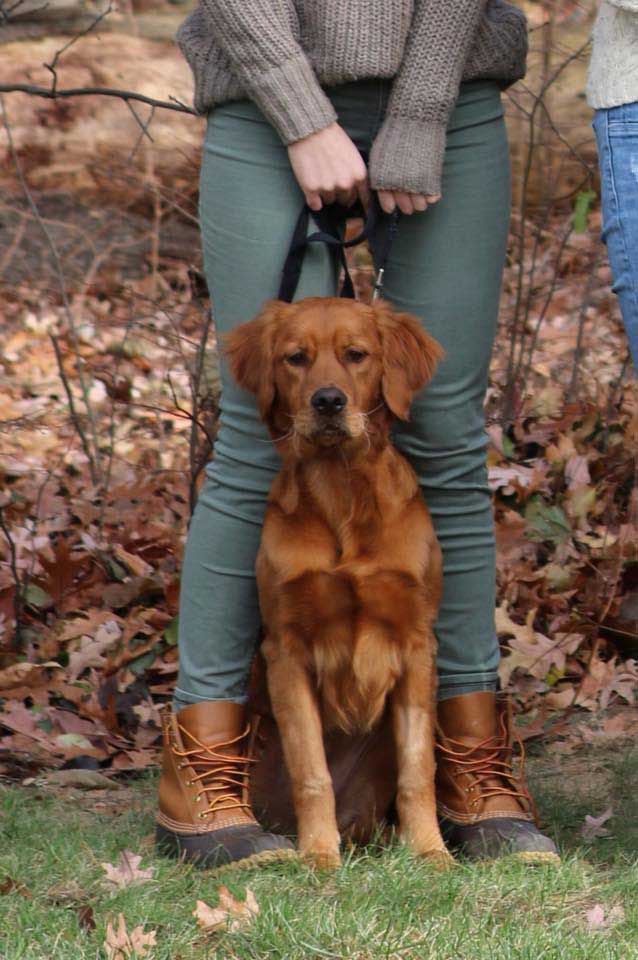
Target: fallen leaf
{"type": "Point", "coordinates": [134, 564]}
{"type": "Point", "coordinates": [23, 674]}
{"type": "Point", "coordinates": [593, 826]}
{"type": "Point", "coordinates": [530, 650]}
{"type": "Point", "coordinates": [84, 779]}
{"type": "Point", "coordinates": [86, 920]}
{"type": "Point", "coordinates": [560, 699]}
{"type": "Point", "coordinates": [9, 885]}
{"type": "Point", "coordinates": [230, 914]}
{"type": "Point", "coordinates": [126, 871]}
{"type": "Point", "coordinates": [121, 945]}
{"type": "Point", "coordinates": [597, 919]}
{"type": "Point", "coordinates": [595, 916]}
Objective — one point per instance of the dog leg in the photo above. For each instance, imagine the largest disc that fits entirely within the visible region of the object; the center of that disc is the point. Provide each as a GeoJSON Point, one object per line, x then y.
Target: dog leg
{"type": "Point", "coordinates": [296, 711]}
{"type": "Point", "coordinates": [413, 707]}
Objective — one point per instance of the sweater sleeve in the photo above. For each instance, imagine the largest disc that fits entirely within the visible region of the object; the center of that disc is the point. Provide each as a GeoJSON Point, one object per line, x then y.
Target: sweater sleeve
{"type": "Point", "coordinates": [258, 40]}
{"type": "Point", "coordinates": [630, 5]}
{"type": "Point", "coordinates": [408, 151]}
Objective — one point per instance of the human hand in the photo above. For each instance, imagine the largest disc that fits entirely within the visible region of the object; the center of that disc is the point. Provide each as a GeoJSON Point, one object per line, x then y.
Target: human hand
{"type": "Point", "coordinates": [406, 202]}
{"type": "Point", "coordinates": [328, 168]}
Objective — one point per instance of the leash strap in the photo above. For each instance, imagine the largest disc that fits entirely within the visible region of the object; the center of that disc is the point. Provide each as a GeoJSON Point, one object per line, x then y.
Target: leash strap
{"type": "Point", "coordinates": [330, 221]}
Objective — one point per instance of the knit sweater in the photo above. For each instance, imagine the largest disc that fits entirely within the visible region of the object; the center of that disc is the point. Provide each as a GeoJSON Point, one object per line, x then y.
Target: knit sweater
{"type": "Point", "coordinates": [281, 53]}
{"type": "Point", "coordinates": [613, 67]}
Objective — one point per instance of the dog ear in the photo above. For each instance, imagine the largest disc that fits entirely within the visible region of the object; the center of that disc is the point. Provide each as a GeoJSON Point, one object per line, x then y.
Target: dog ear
{"type": "Point", "coordinates": [248, 350]}
{"type": "Point", "coordinates": [409, 357]}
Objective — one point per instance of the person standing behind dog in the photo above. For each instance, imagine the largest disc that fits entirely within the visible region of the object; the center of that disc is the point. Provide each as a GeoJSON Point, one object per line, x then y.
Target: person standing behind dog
{"type": "Point", "coordinates": [612, 90]}
{"type": "Point", "coordinates": [299, 94]}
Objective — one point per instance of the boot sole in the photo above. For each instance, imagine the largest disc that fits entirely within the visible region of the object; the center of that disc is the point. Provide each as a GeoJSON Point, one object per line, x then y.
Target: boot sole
{"type": "Point", "coordinates": [540, 856]}
{"type": "Point", "coordinates": [168, 846]}
{"type": "Point", "coordinates": [266, 856]}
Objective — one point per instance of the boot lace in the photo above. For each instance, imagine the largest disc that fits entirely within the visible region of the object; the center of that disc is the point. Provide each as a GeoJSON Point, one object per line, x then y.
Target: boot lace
{"type": "Point", "coordinates": [488, 761]}
{"type": "Point", "coordinates": [223, 778]}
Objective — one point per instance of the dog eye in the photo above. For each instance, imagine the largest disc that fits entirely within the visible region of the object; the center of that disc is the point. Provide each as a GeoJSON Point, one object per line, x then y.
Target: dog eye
{"type": "Point", "coordinates": [296, 359]}
{"type": "Point", "coordinates": [355, 356]}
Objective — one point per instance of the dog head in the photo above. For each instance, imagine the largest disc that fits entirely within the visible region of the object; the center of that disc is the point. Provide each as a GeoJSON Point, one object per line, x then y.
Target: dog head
{"type": "Point", "coordinates": [321, 368]}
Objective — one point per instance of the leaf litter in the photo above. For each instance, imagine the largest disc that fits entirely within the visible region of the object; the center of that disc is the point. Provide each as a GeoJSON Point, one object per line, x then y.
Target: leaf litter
{"type": "Point", "coordinates": [97, 565]}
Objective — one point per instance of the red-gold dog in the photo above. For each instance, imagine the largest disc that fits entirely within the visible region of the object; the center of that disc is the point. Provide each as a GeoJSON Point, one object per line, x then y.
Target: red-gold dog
{"type": "Point", "coordinates": [349, 569]}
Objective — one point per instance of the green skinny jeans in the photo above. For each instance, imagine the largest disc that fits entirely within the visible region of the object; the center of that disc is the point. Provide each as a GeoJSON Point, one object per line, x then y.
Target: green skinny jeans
{"type": "Point", "coordinates": [445, 266]}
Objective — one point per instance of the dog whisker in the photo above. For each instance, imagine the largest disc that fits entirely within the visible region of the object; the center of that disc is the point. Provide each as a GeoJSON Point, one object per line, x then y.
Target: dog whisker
{"type": "Point", "coordinates": [286, 436]}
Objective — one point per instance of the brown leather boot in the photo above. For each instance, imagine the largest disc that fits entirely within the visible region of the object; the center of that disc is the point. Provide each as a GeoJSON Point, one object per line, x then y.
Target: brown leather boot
{"type": "Point", "coordinates": [204, 812]}
{"type": "Point", "coordinates": [484, 806]}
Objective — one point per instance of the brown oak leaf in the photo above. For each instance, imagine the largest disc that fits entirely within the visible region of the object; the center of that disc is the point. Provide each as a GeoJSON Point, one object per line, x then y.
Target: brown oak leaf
{"type": "Point", "coordinates": [230, 914]}
{"type": "Point", "coordinates": [126, 871]}
{"type": "Point", "coordinates": [122, 945]}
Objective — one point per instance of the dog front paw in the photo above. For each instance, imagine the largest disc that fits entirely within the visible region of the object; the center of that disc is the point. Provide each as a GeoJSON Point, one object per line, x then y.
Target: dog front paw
{"type": "Point", "coordinates": [438, 859]}
{"type": "Point", "coordinates": [322, 859]}
{"type": "Point", "coordinates": [323, 855]}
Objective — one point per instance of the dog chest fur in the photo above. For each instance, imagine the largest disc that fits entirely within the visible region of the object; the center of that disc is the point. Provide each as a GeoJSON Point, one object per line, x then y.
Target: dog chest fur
{"type": "Point", "coordinates": [349, 611]}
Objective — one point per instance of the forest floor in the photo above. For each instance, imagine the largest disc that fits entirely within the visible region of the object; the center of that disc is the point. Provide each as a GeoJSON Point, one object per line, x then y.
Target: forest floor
{"type": "Point", "coordinates": [107, 413]}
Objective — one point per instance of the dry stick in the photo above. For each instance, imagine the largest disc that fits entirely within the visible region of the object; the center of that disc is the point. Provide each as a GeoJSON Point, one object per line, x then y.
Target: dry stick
{"type": "Point", "coordinates": [196, 380]}
{"type": "Point", "coordinates": [157, 216]}
{"type": "Point", "coordinates": [518, 327]}
{"type": "Point", "coordinates": [6, 14]}
{"type": "Point", "coordinates": [17, 583]}
{"type": "Point", "coordinates": [53, 93]}
{"type": "Point", "coordinates": [143, 130]}
{"type": "Point", "coordinates": [111, 428]}
{"type": "Point", "coordinates": [94, 453]}
{"type": "Point", "coordinates": [51, 67]}
{"type": "Point", "coordinates": [539, 321]}
{"type": "Point", "coordinates": [75, 418]}
{"type": "Point", "coordinates": [50, 93]}
{"type": "Point", "coordinates": [578, 350]}
{"type": "Point", "coordinates": [13, 246]}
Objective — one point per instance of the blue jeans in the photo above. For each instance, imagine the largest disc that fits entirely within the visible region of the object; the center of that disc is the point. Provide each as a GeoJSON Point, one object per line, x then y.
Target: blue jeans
{"type": "Point", "coordinates": [616, 131]}
{"type": "Point", "coordinates": [445, 266]}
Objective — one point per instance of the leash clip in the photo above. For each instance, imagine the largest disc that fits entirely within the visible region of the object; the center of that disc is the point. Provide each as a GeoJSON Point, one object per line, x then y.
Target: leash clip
{"type": "Point", "coordinates": [377, 288]}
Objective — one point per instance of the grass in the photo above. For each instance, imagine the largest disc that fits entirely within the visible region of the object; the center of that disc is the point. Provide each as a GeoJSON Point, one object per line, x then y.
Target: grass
{"type": "Point", "coordinates": [379, 904]}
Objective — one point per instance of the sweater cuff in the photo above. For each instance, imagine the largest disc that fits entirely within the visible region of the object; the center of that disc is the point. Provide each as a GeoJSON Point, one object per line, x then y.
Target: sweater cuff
{"type": "Point", "coordinates": [408, 155]}
{"type": "Point", "coordinates": [291, 97]}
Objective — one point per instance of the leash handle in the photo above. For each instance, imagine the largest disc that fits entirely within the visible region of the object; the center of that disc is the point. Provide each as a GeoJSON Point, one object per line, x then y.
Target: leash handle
{"type": "Point", "coordinates": [330, 221]}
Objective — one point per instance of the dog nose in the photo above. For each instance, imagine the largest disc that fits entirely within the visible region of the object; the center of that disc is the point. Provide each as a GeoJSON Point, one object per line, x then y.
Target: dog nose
{"type": "Point", "coordinates": [328, 400]}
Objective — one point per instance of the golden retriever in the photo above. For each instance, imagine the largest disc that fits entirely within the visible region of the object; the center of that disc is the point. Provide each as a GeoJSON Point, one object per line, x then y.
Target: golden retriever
{"type": "Point", "coordinates": [349, 568]}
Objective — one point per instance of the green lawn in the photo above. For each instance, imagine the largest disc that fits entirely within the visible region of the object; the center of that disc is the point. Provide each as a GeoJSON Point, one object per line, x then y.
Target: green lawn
{"type": "Point", "coordinates": [379, 904]}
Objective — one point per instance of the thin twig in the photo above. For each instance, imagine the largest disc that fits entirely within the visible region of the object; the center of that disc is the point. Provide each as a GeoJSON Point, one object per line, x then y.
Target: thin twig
{"type": "Point", "coordinates": [17, 583]}
{"type": "Point", "coordinates": [49, 93]}
{"type": "Point", "coordinates": [92, 450]}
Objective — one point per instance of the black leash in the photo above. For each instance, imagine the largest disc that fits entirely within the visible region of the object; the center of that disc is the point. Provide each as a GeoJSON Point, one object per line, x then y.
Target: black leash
{"type": "Point", "coordinates": [331, 222]}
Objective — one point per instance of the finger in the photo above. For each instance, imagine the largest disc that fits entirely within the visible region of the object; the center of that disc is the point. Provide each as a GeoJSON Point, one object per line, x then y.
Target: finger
{"type": "Point", "coordinates": [433, 197]}
{"type": "Point", "coordinates": [404, 202]}
{"type": "Point", "coordinates": [419, 202]}
{"type": "Point", "coordinates": [328, 196]}
{"type": "Point", "coordinates": [314, 201]}
{"type": "Point", "coordinates": [387, 201]}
